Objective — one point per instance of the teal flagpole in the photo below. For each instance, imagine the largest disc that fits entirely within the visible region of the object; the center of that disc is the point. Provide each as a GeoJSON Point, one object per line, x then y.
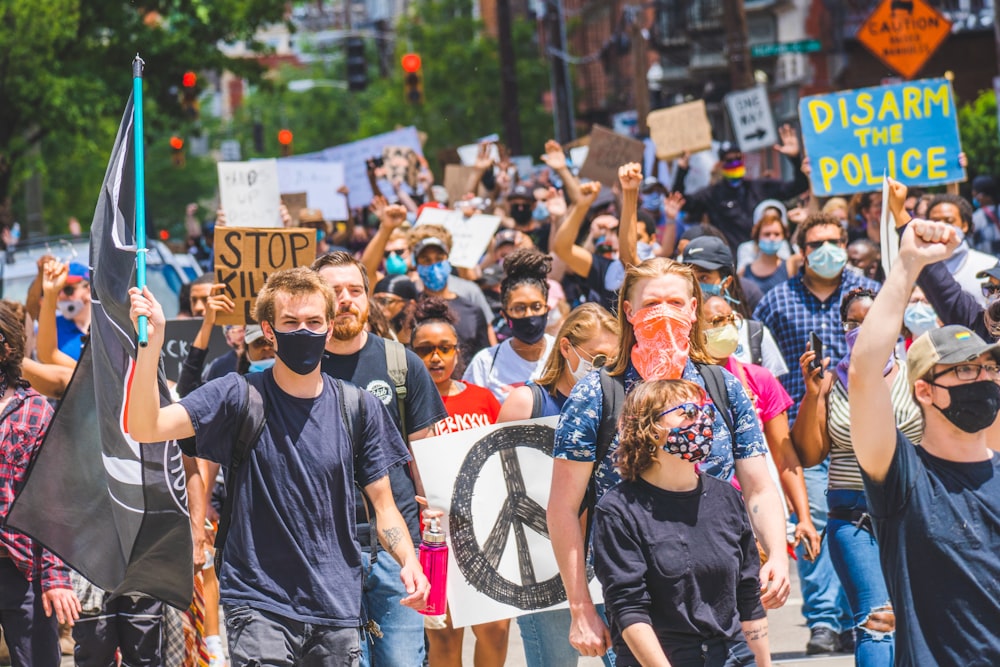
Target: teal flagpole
{"type": "Point", "coordinates": [138, 148]}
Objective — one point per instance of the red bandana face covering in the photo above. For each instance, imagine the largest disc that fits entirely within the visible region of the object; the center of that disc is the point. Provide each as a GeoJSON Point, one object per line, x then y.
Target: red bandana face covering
{"type": "Point", "coordinates": [662, 341]}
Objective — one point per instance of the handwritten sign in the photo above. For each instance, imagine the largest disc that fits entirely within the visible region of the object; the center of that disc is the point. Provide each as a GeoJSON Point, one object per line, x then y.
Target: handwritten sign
{"type": "Point", "coordinates": [904, 34]}
{"type": "Point", "coordinates": [320, 181]}
{"type": "Point", "coordinates": [608, 151]}
{"type": "Point", "coordinates": [249, 193]}
{"type": "Point", "coordinates": [244, 258]}
{"type": "Point", "coordinates": [470, 236]}
{"type": "Point", "coordinates": [908, 130]}
{"type": "Point", "coordinates": [680, 128]}
{"type": "Point", "coordinates": [178, 335]}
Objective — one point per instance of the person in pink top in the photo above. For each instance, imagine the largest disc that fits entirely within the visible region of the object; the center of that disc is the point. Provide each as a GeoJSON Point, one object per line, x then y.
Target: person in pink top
{"type": "Point", "coordinates": [771, 402]}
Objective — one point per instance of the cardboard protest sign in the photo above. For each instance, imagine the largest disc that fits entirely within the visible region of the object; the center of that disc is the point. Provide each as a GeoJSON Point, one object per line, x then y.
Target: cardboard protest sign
{"type": "Point", "coordinates": [244, 258]}
{"type": "Point", "coordinates": [295, 202]}
{"type": "Point", "coordinates": [249, 193]}
{"type": "Point", "coordinates": [320, 181]}
{"type": "Point", "coordinates": [680, 128]}
{"type": "Point", "coordinates": [608, 151]}
{"type": "Point", "coordinates": [470, 236]}
{"type": "Point", "coordinates": [908, 130]}
{"type": "Point", "coordinates": [401, 164]}
{"type": "Point", "coordinates": [178, 335]}
{"type": "Point", "coordinates": [456, 181]}
{"type": "Point", "coordinates": [493, 484]}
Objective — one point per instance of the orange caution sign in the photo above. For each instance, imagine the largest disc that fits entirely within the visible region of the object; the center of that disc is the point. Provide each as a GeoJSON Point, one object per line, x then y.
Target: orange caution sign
{"type": "Point", "coordinates": [904, 34]}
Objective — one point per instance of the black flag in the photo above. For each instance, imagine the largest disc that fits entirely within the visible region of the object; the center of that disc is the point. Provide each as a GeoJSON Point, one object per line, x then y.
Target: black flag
{"type": "Point", "coordinates": [114, 510]}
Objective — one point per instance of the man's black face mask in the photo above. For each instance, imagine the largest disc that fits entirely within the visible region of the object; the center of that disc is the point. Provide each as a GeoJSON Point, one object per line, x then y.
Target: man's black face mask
{"type": "Point", "coordinates": [521, 213]}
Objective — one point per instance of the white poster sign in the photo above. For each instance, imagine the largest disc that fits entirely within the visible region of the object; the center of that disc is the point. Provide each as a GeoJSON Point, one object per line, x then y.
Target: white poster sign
{"type": "Point", "coordinates": [249, 193]}
{"type": "Point", "coordinates": [750, 113]}
{"type": "Point", "coordinates": [493, 485]}
{"type": "Point", "coordinates": [887, 229]}
{"type": "Point", "coordinates": [470, 236]}
{"type": "Point", "coordinates": [355, 154]}
{"type": "Point", "coordinates": [320, 181]}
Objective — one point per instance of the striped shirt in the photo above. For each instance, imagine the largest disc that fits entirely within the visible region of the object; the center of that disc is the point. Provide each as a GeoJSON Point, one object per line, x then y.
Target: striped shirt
{"type": "Point", "coordinates": [844, 471]}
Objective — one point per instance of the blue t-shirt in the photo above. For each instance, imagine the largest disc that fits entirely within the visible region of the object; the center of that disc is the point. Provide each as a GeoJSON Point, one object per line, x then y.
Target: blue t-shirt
{"type": "Point", "coordinates": [291, 548]}
{"type": "Point", "coordinates": [69, 337]}
{"type": "Point", "coordinates": [938, 528]}
{"type": "Point", "coordinates": [580, 420]}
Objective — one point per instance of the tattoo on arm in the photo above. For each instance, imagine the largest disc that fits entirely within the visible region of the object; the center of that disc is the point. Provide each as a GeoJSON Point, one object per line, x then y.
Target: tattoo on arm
{"type": "Point", "coordinates": [392, 537]}
{"type": "Point", "coordinates": [755, 509]}
{"type": "Point", "coordinates": [756, 632]}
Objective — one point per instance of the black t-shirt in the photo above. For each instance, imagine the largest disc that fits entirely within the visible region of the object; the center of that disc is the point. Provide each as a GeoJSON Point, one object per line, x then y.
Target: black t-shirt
{"type": "Point", "coordinates": [369, 370]}
{"type": "Point", "coordinates": [685, 563]}
{"type": "Point", "coordinates": [604, 281]}
{"type": "Point", "coordinates": [221, 366]}
{"type": "Point", "coordinates": [471, 327]}
{"type": "Point", "coordinates": [938, 528]}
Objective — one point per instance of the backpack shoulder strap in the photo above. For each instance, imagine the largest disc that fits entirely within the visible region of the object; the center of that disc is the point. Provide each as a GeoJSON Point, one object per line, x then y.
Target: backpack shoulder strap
{"type": "Point", "coordinates": [756, 336]}
{"type": "Point", "coordinates": [613, 398]}
{"type": "Point", "coordinates": [352, 410]}
{"type": "Point", "coordinates": [249, 425]}
{"type": "Point", "coordinates": [395, 361]}
{"type": "Point", "coordinates": [537, 400]}
{"type": "Point", "coordinates": [715, 384]}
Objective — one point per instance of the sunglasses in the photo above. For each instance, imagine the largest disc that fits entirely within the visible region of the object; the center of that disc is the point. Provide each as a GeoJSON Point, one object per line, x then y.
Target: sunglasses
{"type": "Point", "coordinates": [691, 411]}
{"type": "Point", "coordinates": [816, 245]}
{"type": "Point", "coordinates": [597, 360]}
{"type": "Point", "coordinates": [389, 253]}
{"type": "Point", "coordinates": [989, 289]}
{"type": "Point", "coordinates": [444, 350]}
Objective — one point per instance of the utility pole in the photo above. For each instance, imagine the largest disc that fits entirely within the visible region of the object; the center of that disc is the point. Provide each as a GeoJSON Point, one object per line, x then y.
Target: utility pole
{"type": "Point", "coordinates": [996, 28]}
{"type": "Point", "coordinates": [509, 110]}
{"type": "Point", "coordinates": [639, 85]}
{"type": "Point", "coordinates": [562, 90]}
{"type": "Point", "coordinates": [737, 47]}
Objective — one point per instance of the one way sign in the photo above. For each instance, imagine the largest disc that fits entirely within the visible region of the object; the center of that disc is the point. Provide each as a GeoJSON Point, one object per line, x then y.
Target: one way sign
{"type": "Point", "coordinates": [753, 124]}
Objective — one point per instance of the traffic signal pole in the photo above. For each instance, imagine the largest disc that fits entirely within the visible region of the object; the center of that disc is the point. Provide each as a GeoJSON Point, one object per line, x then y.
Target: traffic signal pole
{"type": "Point", "coordinates": [509, 111]}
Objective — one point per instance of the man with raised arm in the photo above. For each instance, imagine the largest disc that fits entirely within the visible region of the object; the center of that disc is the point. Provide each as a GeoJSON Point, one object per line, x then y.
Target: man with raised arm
{"type": "Point", "coordinates": [936, 507]}
{"type": "Point", "coordinates": [291, 575]}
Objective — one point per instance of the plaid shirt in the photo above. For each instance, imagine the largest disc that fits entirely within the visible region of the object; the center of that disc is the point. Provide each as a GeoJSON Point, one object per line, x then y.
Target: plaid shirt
{"type": "Point", "coordinates": [791, 311]}
{"type": "Point", "coordinates": [22, 427]}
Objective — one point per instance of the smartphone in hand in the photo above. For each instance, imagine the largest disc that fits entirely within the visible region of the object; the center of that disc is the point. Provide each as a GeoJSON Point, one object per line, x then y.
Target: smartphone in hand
{"type": "Point", "coordinates": [816, 345]}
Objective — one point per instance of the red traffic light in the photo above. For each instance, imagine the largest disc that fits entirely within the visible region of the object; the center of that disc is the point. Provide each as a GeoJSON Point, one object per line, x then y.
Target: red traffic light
{"type": "Point", "coordinates": [164, 235]}
{"type": "Point", "coordinates": [176, 143]}
{"type": "Point", "coordinates": [411, 63]}
{"type": "Point", "coordinates": [285, 137]}
{"type": "Point", "coordinates": [190, 79]}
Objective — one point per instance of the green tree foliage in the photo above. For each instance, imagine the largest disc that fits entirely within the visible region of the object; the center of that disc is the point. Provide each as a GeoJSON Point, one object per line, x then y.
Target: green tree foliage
{"type": "Point", "coordinates": [977, 124]}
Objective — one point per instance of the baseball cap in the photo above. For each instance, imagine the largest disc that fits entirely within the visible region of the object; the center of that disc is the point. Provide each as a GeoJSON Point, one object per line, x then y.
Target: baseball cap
{"type": "Point", "coordinates": [310, 215]}
{"type": "Point", "coordinates": [252, 332]}
{"type": "Point", "coordinates": [708, 252]}
{"type": "Point", "coordinates": [651, 183]}
{"type": "Point", "coordinates": [77, 273]}
{"type": "Point", "coordinates": [504, 237]}
{"type": "Point", "coordinates": [429, 242]}
{"type": "Point", "coordinates": [492, 276]}
{"type": "Point", "coordinates": [728, 148]}
{"type": "Point", "coordinates": [952, 344]}
{"type": "Point", "coordinates": [401, 286]}
{"type": "Point", "coordinates": [993, 272]}
{"type": "Point", "coordinates": [521, 192]}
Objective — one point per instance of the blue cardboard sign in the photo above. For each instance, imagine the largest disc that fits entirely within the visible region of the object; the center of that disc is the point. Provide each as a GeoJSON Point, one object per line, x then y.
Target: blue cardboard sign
{"type": "Point", "coordinates": [908, 130]}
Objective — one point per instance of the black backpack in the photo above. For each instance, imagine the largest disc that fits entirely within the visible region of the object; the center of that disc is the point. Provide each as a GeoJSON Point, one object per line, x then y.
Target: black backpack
{"type": "Point", "coordinates": [250, 425]}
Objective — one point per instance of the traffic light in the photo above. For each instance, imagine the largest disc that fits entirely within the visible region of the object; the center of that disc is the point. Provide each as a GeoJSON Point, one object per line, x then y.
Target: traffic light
{"type": "Point", "coordinates": [177, 151]}
{"type": "Point", "coordinates": [413, 79]}
{"type": "Point", "coordinates": [285, 137]}
{"type": "Point", "coordinates": [258, 136]}
{"type": "Point", "coordinates": [189, 95]}
{"type": "Point", "coordinates": [357, 64]}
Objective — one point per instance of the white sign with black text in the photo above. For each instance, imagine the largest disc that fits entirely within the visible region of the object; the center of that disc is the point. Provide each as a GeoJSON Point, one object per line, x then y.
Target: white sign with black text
{"type": "Point", "coordinates": [753, 124]}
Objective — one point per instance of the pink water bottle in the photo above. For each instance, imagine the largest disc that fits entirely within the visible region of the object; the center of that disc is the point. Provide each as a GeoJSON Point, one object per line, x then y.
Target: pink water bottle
{"type": "Point", "coordinates": [434, 561]}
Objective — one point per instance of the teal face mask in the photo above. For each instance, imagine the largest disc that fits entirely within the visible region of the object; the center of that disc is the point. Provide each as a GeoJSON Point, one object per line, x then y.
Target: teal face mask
{"type": "Point", "coordinates": [396, 265]}
{"type": "Point", "coordinates": [261, 365]}
{"type": "Point", "coordinates": [828, 260]}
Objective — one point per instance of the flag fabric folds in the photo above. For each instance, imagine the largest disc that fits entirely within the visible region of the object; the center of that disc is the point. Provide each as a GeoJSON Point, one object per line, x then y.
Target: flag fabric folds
{"type": "Point", "coordinates": [114, 510]}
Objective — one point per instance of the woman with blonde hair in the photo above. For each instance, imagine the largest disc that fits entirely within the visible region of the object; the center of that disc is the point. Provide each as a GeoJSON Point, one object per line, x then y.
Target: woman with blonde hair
{"type": "Point", "coordinates": [654, 587]}
{"type": "Point", "coordinates": [662, 339]}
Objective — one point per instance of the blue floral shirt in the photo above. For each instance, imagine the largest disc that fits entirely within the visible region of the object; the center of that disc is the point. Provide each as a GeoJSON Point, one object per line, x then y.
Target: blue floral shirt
{"type": "Point", "coordinates": [580, 420]}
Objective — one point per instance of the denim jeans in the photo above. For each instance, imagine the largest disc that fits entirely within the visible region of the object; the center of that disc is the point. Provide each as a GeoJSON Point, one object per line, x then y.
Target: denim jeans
{"type": "Point", "coordinates": [261, 638]}
{"type": "Point", "coordinates": [823, 601]}
{"type": "Point", "coordinates": [545, 635]}
{"type": "Point", "coordinates": [854, 552]}
{"type": "Point", "coordinates": [33, 637]}
{"type": "Point", "coordinates": [714, 653]}
{"type": "Point", "coordinates": [403, 628]}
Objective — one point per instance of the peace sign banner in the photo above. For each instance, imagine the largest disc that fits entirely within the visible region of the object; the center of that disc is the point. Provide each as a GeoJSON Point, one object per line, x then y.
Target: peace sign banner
{"type": "Point", "coordinates": [493, 485]}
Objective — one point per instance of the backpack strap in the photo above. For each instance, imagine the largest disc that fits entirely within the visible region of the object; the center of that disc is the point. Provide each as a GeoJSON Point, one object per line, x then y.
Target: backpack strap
{"type": "Point", "coordinates": [537, 400]}
{"type": "Point", "coordinates": [755, 333]}
{"type": "Point", "coordinates": [395, 361]}
{"type": "Point", "coordinates": [715, 384]}
{"type": "Point", "coordinates": [612, 400]}
{"type": "Point", "coordinates": [249, 425]}
{"type": "Point", "coordinates": [352, 409]}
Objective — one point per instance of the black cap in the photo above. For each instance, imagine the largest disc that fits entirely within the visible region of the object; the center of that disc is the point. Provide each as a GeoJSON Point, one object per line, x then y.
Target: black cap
{"type": "Point", "coordinates": [728, 148]}
{"type": "Point", "coordinates": [985, 184]}
{"type": "Point", "coordinates": [521, 192]}
{"type": "Point", "coordinates": [993, 272]}
{"type": "Point", "coordinates": [492, 276]}
{"type": "Point", "coordinates": [401, 286]}
{"type": "Point", "coordinates": [708, 252]}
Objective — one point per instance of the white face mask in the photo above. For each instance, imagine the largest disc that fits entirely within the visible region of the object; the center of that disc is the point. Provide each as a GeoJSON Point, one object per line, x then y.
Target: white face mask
{"type": "Point", "coordinates": [70, 309]}
{"type": "Point", "coordinates": [584, 366]}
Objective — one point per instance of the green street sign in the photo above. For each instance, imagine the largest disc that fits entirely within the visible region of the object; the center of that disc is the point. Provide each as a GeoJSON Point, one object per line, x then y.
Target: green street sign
{"type": "Point", "coordinates": [777, 48]}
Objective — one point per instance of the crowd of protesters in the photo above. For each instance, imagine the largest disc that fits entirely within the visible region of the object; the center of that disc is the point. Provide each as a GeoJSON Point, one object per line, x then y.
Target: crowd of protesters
{"type": "Point", "coordinates": [737, 376]}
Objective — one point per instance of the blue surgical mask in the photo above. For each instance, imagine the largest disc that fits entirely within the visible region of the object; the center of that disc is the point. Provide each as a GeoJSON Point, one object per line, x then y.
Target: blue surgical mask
{"type": "Point", "coordinates": [707, 289]}
{"type": "Point", "coordinates": [644, 250]}
{"type": "Point", "coordinates": [769, 246]}
{"type": "Point", "coordinates": [919, 318]}
{"type": "Point", "coordinates": [435, 276]}
{"type": "Point", "coordinates": [396, 265]}
{"type": "Point", "coordinates": [653, 202]}
{"type": "Point", "coordinates": [828, 260]}
{"type": "Point", "coordinates": [540, 212]}
{"type": "Point", "coordinates": [261, 365]}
